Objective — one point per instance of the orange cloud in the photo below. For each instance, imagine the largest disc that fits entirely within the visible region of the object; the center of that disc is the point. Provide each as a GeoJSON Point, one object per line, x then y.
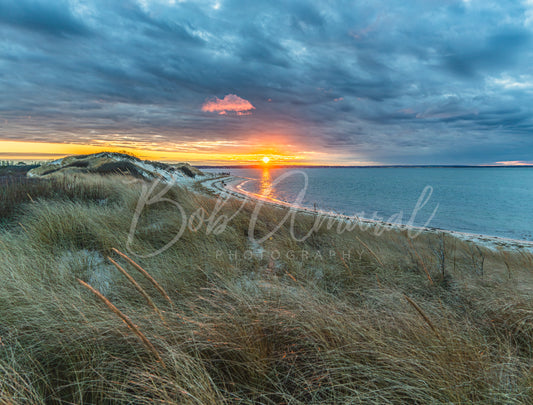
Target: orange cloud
{"type": "Point", "coordinates": [231, 102]}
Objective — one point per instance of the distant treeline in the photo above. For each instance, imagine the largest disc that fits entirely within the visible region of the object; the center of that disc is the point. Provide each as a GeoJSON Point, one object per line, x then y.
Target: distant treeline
{"type": "Point", "coordinates": [4, 163]}
{"type": "Point", "coordinates": [15, 169]}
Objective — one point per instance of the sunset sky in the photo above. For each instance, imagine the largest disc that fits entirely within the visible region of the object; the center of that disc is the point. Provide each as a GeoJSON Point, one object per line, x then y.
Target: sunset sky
{"type": "Point", "coordinates": [303, 82]}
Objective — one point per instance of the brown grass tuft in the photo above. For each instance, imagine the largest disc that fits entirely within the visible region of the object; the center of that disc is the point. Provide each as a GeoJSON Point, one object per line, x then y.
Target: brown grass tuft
{"type": "Point", "coordinates": [145, 274]}
{"type": "Point", "coordinates": [126, 320]}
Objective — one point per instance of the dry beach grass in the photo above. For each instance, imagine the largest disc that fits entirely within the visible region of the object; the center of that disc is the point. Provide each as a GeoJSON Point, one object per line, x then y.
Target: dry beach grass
{"type": "Point", "coordinates": [338, 318]}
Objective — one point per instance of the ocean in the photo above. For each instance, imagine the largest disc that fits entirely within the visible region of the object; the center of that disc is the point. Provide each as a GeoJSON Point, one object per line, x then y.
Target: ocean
{"type": "Point", "coordinates": [493, 201]}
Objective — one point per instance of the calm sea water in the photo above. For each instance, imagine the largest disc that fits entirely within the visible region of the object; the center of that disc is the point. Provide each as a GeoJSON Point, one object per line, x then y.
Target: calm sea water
{"type": "Point", "coordinates": [488, 201]}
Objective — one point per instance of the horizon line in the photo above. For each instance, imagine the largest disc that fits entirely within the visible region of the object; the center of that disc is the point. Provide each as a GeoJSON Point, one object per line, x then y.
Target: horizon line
{"type": "Point", "coordinates": [310, 166]}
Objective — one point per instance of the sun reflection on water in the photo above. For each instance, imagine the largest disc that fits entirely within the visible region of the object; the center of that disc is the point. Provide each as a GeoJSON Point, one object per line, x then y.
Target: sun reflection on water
{"type": "Point", "coordinates": [265, 188]}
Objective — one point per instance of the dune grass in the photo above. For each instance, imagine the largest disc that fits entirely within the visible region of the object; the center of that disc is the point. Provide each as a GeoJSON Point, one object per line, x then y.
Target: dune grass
{"type": "Point", "coordinates": [339, 318]}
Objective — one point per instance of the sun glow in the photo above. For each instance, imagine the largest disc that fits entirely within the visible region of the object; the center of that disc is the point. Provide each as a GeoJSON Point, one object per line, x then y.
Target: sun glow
{"type": "Point", "coordinates": [196, 153]}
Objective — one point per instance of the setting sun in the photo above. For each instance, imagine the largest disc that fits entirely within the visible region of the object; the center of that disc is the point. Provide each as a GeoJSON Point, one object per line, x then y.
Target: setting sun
{"type": "Point", "coordinates": [266, 159]}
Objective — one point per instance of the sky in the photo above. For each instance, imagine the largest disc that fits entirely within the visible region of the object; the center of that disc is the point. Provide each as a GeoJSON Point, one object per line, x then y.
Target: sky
{"type": "Point", "coordinates": [304, 82]}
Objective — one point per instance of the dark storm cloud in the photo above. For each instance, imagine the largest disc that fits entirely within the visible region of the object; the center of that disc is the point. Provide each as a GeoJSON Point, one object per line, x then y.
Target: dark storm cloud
{"type": "Point", "coordinates": [49, 17]}
{"type": "Point", "coordinates": [397, 82]}
{"type": "Point", "coordinates": [495, 53]}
